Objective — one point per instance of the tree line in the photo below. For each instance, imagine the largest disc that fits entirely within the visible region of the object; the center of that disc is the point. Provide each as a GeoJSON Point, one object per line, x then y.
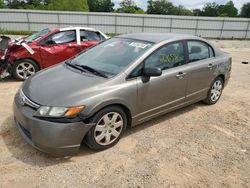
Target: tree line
{"type": "Point", "coordinates": [163, 7]}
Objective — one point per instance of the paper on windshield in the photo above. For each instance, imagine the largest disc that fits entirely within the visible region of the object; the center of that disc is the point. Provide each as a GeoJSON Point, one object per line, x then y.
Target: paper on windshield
{"type": "Point", "coordinates": [28, 48]}
{"type": "Point", "coordinates": [139, 45]}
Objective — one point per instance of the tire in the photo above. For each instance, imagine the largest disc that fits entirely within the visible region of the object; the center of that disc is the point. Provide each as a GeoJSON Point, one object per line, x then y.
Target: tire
{"type": "Point", "coordinates": [215, 91]}
{"type": "Point", "coordinates": [22, 69]}
{"type": "Point", "coordinates": [105, 133]}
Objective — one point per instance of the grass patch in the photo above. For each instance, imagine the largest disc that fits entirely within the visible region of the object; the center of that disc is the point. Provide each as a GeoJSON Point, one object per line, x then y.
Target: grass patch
{"type": "Point", "coordinates": [113, 34]}
{"type": "Point", "coordinates": [10, 32]}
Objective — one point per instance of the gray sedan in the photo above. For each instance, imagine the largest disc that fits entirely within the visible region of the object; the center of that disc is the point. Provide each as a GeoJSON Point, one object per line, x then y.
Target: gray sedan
{"type": "Point", "coordinates": [122, 82]}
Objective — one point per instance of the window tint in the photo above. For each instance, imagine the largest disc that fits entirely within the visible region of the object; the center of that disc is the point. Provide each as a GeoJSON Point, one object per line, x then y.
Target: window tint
{"type": "Point", "coordinates": [90, 35]}
{"type": "Point", "coordinates": [62, 37]}
{"type": "Point", "coordinates": [167, 57]}
{"type": "Point", "coordinates": [198, 50]}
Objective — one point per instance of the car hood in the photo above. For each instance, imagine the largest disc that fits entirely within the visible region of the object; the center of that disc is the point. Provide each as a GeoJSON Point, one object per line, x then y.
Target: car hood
{"type": "Point", "coordinates": [15, 46]}
{"type": "Point", "coordinates": [62, 86]}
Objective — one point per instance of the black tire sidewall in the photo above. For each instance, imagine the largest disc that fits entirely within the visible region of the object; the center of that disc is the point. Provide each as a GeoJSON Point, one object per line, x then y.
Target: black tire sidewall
{"type": "Point", "coordinates": [209, 101]}
{"type": "Point", "coordinates": [90, 140]}
{"type": "Point", "coordinates": [15, 65]}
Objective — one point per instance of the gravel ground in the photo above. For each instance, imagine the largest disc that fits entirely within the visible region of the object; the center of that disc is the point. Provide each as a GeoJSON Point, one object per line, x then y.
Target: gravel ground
{"type": "Point", "coordinates": [198, 146]}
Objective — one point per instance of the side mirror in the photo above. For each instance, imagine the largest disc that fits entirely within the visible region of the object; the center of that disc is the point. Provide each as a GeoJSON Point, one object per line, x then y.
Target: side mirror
{"type": "Point", "coordinates": [150, 72]}
{"type": "Point", "coordinates": [42, 43]}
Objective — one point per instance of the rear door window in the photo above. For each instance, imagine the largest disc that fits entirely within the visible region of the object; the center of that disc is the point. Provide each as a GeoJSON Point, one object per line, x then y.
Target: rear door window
{"type": "Point", "coordinates": [198, 50]}
{"type": "Point", "coordinates": [90, 35]}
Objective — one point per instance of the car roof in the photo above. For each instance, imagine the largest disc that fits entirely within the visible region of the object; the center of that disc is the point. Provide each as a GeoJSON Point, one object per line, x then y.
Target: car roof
{"type": "Point", "coordinates": [157, 37]}
{"type": "Point", "coordinates": [73, 27]}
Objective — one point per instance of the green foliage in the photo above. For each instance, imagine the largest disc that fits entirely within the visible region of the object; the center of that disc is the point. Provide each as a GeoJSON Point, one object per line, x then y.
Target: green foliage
{"type": "Point", "coordinates": [210, 9]}
{"type": "Point", "coordinates": [2, 5]}
{"type": "Point", "coordinates": [128, 6]}
{"type": "Point", "coordinates": [140, 11]}
{"type": "Point", "coordinates": [160, 7]}
{"type": "Point", "coordinates": [16, 4]}
{"type": "Point", "coordinates": [101, 5]}
{"type": "Point", "coordinates": [46, 2]}
{"type": "Point", "coordinates": [215, 10]}
{"type": "Point", "coordinates": [228, 10]}
{"type": "Point", "coordinates": [197, 12]}
{"type": "Point", "coordinates": [69, 5]}
{"type": "Point", "coordinates": [245, 10]}
{"type": "Point", "coordinates": [180, 10]}
{"type": "Point", "coordinates": [167, 8]}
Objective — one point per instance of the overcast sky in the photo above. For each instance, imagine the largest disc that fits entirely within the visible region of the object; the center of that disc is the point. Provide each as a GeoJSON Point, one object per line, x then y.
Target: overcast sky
{"type": "Point", "coordinates": [190, 4]}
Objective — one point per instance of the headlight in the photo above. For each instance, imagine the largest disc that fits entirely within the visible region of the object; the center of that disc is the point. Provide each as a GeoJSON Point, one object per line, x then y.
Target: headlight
{"type": "Point", "coordinates": [46, 111]}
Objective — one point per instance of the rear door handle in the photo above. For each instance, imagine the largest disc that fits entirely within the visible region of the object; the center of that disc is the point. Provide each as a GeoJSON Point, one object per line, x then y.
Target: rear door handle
{"type": "Point", "coordinates": [180, 75]}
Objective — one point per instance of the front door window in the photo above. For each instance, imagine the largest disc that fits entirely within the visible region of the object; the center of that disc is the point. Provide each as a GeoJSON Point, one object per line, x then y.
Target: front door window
{"type": "Point", "coordinates": [167, 57]}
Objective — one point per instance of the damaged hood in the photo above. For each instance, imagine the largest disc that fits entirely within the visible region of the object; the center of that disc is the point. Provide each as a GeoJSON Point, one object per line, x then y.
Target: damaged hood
{"type": "Point", "coordinates": [17, 44]}
{"type": "Point", "coordinates": [62, 86]}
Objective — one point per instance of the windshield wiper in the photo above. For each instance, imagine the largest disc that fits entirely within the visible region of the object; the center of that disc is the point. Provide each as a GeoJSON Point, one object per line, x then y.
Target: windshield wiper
{"type": "Point", "coordinates": [74, 66]}
{"type": "Point", "coordinates": [92, 70]}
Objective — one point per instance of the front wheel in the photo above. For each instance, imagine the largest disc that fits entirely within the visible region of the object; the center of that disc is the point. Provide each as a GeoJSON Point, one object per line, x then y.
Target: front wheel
{"type": "Point", "coordinates": [110, 123]}
{"type": "Point", "coordinates": [215, 91]}
{"type": "Point", "coordinates": [23, 69]}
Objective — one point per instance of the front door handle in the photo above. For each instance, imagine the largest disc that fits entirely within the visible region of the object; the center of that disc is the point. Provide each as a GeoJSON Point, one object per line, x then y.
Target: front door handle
{"type": "Point", "coordinates": [210, 66]}
{"type": "Point", "coordinates": [180, 75]}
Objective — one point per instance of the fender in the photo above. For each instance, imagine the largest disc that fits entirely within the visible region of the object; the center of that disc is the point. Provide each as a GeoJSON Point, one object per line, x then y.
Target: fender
{"type": "Point", "coordinates": [93, 110]}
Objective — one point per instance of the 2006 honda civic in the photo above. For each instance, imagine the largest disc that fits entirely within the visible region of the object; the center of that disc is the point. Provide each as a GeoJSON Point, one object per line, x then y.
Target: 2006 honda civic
{"type": "Point", "coordinates": [124, 81]}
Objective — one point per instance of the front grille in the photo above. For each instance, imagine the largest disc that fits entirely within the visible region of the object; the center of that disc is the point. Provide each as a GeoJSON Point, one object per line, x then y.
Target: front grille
{"type": "Point", "coordinates": [25, 131]}
{"type": "Point", "coordinates": [26, 101]}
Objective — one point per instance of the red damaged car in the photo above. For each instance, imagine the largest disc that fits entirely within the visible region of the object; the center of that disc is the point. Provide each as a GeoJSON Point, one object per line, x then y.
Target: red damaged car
{"type": "Point", "coordinates": [25, 56]}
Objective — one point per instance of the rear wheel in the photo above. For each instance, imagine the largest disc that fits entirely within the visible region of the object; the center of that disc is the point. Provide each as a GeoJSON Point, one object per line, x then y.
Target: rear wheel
{"type": "Point", "coordinates": [110, 123]}
{"type": "Point", "coordinates": [24, 68]}
{"type": "Point", "coordinates": [215, 91]}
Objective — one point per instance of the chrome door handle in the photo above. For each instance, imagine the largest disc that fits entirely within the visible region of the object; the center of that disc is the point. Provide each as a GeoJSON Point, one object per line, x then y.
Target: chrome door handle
{"type": "Point", "coordinates": [180, 75]}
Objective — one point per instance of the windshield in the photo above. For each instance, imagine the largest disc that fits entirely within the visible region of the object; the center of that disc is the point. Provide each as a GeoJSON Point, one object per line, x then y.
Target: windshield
{"type": "Point", "coordinates": [113, 55]}
{"type": "Point", "coordinates": [37, 35]}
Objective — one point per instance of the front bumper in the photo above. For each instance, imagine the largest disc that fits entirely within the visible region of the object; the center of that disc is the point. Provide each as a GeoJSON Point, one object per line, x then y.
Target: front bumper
{"type": "Point", "coordinates": [57, 139]}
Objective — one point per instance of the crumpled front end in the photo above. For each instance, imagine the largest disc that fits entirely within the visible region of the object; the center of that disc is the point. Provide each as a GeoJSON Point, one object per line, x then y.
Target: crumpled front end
{"type": "Point", "coordinates": [4, 43]}
{"type": "Point", "coordinates": [4, 67]}
{"type": "Point", "coordinates": [57, 138]}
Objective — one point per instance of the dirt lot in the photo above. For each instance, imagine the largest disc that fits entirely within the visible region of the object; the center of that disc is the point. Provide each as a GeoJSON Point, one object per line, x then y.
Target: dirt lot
{"type": "Point", "coordinates": [198, 146]}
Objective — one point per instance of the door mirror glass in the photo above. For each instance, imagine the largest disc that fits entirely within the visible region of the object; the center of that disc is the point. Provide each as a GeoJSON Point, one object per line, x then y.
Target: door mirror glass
{"type": "Point", "coordinates": [152, 71]}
